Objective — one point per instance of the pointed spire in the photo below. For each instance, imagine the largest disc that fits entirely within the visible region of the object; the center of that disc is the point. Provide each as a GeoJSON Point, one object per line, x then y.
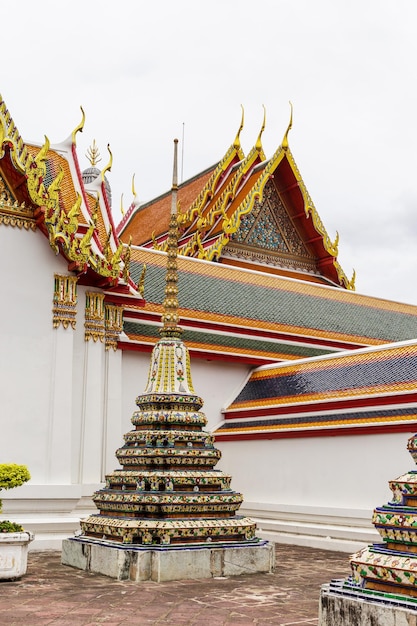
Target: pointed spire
{"type": "Point", "coordinates": [236, 143]}
{"type": "Point", "coordinates": [258, 144]}
{"type": "Point", "coordinates": [78, 128]}
{"type": "Point", "coordinates": [284, 143]}
{"type": "Point", "coordinates": [170, 315]}
{"type": "Point", "coordinates": [93, 154]}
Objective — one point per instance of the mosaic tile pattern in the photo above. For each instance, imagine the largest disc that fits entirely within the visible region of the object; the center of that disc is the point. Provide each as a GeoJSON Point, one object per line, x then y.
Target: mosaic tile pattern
{"type": "Point", "coordinates": [227, 343]}
{"type": "Point", "coordinates": [213, 291]}
{"type": "Point", "coordinates": [357, 373]}
{"type": "Point", "coordinates": [357, 418]}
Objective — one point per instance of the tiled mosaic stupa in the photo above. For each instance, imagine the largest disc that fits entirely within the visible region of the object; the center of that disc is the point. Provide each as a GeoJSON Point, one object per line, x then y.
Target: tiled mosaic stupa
{"type": "Point", "coordinates": [168, 495]}
{"type": "Point", "coordinates": [384, 575]}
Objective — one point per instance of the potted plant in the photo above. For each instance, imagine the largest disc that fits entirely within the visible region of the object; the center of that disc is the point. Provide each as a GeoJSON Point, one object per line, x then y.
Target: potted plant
{"type": "Point", "coordinates": [14, 540]}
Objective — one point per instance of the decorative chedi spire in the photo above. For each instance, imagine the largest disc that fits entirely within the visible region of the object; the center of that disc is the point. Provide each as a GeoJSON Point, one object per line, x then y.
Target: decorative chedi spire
{"type": "Point", "coordinates": [168, 491]}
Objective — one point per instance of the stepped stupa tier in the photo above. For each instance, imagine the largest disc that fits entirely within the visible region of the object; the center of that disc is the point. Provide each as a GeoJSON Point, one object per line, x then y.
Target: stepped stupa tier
{"type": "Point", "coordinates": [168, 491]}
{"type": "Point", "coordinates": [388, 570]}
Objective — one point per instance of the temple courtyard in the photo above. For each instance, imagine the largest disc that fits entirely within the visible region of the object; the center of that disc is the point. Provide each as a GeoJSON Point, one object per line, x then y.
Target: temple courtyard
{"type": "Point", "coordinates": [53, 594]}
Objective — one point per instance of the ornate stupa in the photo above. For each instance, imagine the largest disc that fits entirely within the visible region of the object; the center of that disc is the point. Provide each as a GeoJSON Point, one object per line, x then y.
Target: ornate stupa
{"type": "Point", "coordinates": [383, 584]}
{"type": "Point", "coordinates": [168, 492]}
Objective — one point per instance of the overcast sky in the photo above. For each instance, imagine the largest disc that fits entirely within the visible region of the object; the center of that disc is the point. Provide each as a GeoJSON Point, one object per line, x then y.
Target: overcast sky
{"type": "Point", "coordinates": [146, 72]}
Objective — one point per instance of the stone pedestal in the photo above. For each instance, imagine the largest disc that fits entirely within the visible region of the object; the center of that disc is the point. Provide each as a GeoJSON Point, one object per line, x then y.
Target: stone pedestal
{"type": "Point", "coordinates": [163, 563]}
{"type": "Point", "coordinates": [340, 607]}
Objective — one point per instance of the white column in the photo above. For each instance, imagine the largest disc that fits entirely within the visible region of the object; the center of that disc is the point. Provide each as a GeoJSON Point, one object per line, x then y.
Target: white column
{"type": "Point", "coordinates": [112, 414]}
{"type": "Point", "coordinates": [90, 471]}
{"type": "Point", "coordinates": [58, 468]}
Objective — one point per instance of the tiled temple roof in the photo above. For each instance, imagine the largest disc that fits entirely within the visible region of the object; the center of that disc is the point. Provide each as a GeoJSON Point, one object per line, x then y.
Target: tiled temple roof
{"type": "Point", "coordinates": [373, 388]}
{"type": "Point", "coordinates": [45, 189]}
{"type": "Point", "coordinates": [218, 208]}
{"type": "Point", "coordinates": [237, 313]}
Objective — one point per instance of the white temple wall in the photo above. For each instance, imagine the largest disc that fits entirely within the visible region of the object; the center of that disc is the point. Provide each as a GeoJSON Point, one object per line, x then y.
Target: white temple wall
{"type": "Point", "coordinates": [66, 403]}
{"type": "Point", "coordinates": [28, 358]}
{"type": "Point", "coordinates": [317, 491]}
{"type": "Point", "coordinates": [215, 381]}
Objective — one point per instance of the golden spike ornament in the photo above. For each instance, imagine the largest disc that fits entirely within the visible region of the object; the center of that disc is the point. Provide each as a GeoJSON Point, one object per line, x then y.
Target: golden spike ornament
{"type": "Point", "coordinates": [236, 143]}
{"type": "Point", "coordinates": [80, 126]}
{"type": "Point", "coordinates": [109, 164]}
{"type": "Point", "coordinates": [258, 144]}
{"type": "Point", "coordinates": [93, 154]}
{"type": "Point", "coordinates": [170, 318]}
{"type": "Point", "coordinates": [284, 143]}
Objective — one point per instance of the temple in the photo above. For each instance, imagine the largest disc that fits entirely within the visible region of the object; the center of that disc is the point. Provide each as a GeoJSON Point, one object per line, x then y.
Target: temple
{"type": "Point", "coordinates": [307, 384]}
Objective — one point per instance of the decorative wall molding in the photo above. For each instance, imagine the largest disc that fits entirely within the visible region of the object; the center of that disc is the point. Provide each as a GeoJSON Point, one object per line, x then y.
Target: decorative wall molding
{"type": "Point", "coordinates": [65, 301]}
{"type": "Point", "coordinates": [94, 316]}
{"type": "Point", "coordinates": [113, 320]}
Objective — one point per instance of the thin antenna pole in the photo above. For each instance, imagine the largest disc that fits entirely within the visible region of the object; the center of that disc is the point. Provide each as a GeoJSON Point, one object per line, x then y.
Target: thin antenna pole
{"type": "Point", "coordinates": [182, 152]}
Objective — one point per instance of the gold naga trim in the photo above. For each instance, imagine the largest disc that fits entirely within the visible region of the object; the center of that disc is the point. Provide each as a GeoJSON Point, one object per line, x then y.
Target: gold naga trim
{"type": "Point", "coordinates": [186, 219]}
{"type": "Point", "coordinates": [220, 206]}
{"type": "Point", "coordinates": [141, 281]}
{"type": "Point", "coordinates": [10, 135]}
{"type": "Point", "coordinates": [78, 128]}
{"type": "Point", "coordinates": [64, 308]}
{"type": "Point", "coordinates": [94, 316]}
{"type": "Point", "coordinates": [113, 323]}
{"type": "Point", "coordinates": [109, 164]}
{"type": "Point", "coordinates": [331, 247]}
{"type": "Point", "coordinates": [62, 226]}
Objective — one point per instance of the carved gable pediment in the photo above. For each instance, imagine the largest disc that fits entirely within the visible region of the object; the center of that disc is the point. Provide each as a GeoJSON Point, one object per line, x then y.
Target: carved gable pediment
{"type": "Point", "coordinates": [268, 235]}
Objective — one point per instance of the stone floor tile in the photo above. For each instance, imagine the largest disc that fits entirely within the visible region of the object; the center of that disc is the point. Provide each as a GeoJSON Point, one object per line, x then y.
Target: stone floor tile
{"type": "Point", "coordinates": [51, 594]}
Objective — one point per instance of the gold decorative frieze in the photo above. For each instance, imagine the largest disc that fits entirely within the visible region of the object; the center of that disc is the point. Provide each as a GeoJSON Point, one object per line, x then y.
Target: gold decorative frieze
{"type": "Point", "coordinates": [12, 213]}
{"type": "Point", "coordinates": [65, 301]}
{"type": "Point", "coordinates": [94, 316]}
{"type": "Point", "coordinates": [113, 321]}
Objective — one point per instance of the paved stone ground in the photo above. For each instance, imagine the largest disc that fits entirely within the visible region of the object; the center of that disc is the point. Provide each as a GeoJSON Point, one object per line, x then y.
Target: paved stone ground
{"type": "Point", "coordinates": [56, 595]}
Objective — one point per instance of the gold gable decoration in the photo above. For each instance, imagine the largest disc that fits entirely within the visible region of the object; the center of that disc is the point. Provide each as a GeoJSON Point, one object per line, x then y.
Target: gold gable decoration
{"type": "Point", "coordinates": [311, 211]}
{"type": "Point", "coordinates": [62, 226]}
{"type": "Point", "coordinates": [12, 213]}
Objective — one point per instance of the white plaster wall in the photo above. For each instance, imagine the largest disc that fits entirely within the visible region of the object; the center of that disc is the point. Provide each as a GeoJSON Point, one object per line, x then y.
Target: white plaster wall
{"type": "Point", "coordinates": [27, 349]}
{"type": "Point", "coordinates": [350, 472]}
{"type": "Point", "coordinates": [216, 382]}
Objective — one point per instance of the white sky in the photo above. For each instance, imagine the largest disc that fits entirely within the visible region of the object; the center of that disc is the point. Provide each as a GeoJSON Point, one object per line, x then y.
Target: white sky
{"type": "Point", "coordinates": [144, 71]}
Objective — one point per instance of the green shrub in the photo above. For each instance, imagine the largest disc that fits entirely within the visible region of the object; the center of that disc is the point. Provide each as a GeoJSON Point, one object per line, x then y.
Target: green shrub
{"type": "Point", "coordinates": [10, 527]}
{"type": "Point", "coordinates": [12, 475]}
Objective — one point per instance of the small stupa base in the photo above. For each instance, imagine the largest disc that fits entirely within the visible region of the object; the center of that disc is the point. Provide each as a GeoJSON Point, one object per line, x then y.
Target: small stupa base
{"type": "Point", "coordinates": [164, 563]}
{"type": "Point", "coordinates": [344, 606]}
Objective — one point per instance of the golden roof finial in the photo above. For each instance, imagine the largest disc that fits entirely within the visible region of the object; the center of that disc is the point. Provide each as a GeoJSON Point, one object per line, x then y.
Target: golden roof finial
{"type": "Point", "coordinates": [284, 143]}
{"type": "Point", "coordinates": [80, 126]}
{"type": "Point", "coordinates": [109, 164]}
{"type": "Point", "coordinates": [258, 144]}
{"type": "Point", "coordinates": [133, 186]}
{"type": "Point", "coordinates": [121, 205]}
{"type": "Point", "coordinates": [170, 315]}
{"type": "Point", "coordinates": [93, 154]}
{"type": "Point", "coordinates": [236, 143]}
